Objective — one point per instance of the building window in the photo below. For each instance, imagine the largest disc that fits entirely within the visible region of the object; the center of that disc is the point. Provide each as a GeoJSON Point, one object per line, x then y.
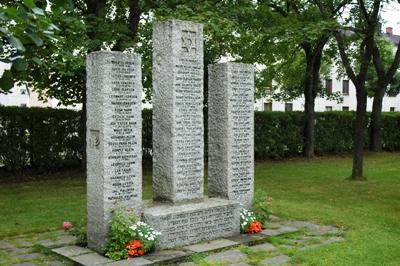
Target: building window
{"type": "Point", "coordinates": [345, 89]}
{"type": "Point", "coordinates": [268, 106]}
{"type": "Point", "coordinates": [288, 107]}
{"type": "Point", "coordinates": [23, 104]}
{"type": "Point", "coordinates": [328, 86]}
{"type": "Point", "coordinates": [345, 108]}
{"type": "Point", "coordinates": [392, 109]}
{"type": "Point", "coordinates": [328, 108]}
{"type": "Point", "coordinates": [23, 91]}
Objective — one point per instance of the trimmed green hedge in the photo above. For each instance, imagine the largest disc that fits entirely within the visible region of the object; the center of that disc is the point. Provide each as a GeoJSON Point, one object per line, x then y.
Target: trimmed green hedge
{"type": "Point", "coordinates": [48, 139]}
{"type": "Point", "coordinates": [39, 138]}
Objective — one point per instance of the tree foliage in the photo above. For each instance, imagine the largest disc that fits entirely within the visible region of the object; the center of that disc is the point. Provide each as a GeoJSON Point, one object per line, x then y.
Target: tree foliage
{"type": "Point", "coordinates": [24, 25]}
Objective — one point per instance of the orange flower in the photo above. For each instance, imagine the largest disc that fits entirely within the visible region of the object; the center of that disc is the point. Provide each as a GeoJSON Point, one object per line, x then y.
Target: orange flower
{"type": "Point", "coordinates": [255, 227]}
{"type": "Point", "coordinates": [134, 244]}
{"type": "Point", "coordinates": [132, 252]}
{"type": "Point", "coordinates": [135, 248]}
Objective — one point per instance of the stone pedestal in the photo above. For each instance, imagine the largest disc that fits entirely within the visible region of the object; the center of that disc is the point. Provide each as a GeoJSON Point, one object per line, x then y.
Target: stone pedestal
{"type": "Point", "coordinates": [178, 144]}
{"type": "Point", "coordinates": [190, 223]}
{"type": "Point", "coordinates": [231, 132]}
{"type": "Point", "coordinates": [114, 131]}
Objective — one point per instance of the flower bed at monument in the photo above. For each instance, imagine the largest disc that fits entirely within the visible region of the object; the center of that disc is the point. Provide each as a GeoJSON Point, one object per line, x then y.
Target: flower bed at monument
{"type": "Point", "coordinates": [129, 237]}
{"type": "Point", "coordinates": [145, 236]}
{"type": "Point", "coordinates": [249, 223]}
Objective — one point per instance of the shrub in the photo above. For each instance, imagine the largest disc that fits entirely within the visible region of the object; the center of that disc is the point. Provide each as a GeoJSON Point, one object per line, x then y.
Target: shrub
{"type": "Point", "coordinates": [39, 138]}
{"type": "Point", "coordinates": [79, 231]}
{"type": "Point", "coordinates": [48, 139]}
{"type": "Point", "coordinates": [120, 234]}
{"type": "Point", "coordinates": [261, 206]}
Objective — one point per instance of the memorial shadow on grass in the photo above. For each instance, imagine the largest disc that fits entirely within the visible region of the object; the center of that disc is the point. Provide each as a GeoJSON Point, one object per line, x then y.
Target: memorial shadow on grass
{"type": "Point", "coordinates": [314, 190]}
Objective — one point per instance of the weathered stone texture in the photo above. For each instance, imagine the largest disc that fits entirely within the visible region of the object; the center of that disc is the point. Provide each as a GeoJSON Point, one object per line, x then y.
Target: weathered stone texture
{"type": "Point", "coordinates": [114, 128]}
{"type": "Point", "coordinates": [231, 132]}
{"type": "Point", "coordinates": [178, 142]}
{"type": "Point", "coordinates": [190, 223]}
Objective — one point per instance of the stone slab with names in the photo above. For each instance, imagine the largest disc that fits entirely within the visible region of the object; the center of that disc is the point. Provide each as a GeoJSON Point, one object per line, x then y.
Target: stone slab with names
{"type": "Point", "coordinates": [178, 130]}
{"type": "Point", "coordinates": [114, 133]}
{"type": "Point", "coordinates": [189, 223]}
{"type": "Point", "coordinates": [231, 132]}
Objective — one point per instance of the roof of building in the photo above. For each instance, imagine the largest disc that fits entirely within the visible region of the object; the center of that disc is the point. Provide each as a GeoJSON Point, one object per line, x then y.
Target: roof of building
{"type": "Point", "coordinates": [394, 38]}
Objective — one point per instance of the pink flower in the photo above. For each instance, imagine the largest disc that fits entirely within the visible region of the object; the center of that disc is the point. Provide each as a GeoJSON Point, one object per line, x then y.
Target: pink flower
{"type": "Point", "coordinates": [67, 225]}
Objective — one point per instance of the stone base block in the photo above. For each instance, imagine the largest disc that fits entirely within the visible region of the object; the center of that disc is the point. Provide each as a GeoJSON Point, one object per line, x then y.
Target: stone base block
{"type": "Point", "coordinates": [191, 223]}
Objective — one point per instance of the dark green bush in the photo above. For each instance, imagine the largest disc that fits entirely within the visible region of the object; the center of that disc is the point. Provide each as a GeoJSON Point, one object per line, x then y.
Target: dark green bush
{"type": "Point", "coordinates": [391, 131]}
{"type": "Point", "coordinates": [334, 132]}
{"type": "Point", "coordinates": [277, 135]}
{"type": "Point", "coordinates": [39, 138]}
{"type": "Point", "coordinates": [48, 139]}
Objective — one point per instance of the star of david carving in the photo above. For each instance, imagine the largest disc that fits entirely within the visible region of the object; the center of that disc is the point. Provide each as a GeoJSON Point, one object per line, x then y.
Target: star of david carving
{"type": "Point", "coordinates": [189, 41]}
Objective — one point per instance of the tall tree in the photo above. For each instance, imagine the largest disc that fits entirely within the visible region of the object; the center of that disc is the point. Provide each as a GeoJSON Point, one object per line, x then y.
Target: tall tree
{"type": "Point", "coordinates": [290, 38]}
{"type": "Point", "coordinates": [360, 26]}
{"type": "Point", "coordinates": [312, 44]}
{"type": "Point", "coordinates": [386, 69]}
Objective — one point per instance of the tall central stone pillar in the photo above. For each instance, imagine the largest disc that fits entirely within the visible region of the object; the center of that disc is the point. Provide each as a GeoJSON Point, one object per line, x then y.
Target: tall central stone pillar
{"type": "Point", "coordinates": [178, 140]}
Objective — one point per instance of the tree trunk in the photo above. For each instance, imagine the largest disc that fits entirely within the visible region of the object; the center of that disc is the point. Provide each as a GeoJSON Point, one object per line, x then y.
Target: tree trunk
{"type": "Point", "coordinates": [375, 126]}
{"type": "Point", "coordinates": [311, 84]}
{"type": "Point", "coordinates": [358, 128]}
{"type": "Point", "coordinates": [309, 103]}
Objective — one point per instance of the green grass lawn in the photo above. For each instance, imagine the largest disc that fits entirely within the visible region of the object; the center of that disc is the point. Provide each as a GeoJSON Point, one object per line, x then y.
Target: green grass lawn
{"type": "Point", "coordinates": [314, 190]}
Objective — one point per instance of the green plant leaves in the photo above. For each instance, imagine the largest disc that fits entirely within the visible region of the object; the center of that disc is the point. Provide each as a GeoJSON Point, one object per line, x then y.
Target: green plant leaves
{"type": "Point", "coordinates": [38, 11]}
{"type": "Point", "coordinates": [35, 38]}
{"type": "Point", "coordinates": [15, 42]}
{"type": "Point", "coordinates": [6, 81]}
{"type": "Point", "coordinates": [19, 64]}
{"type": "Point", "coordinates": [30, 4]}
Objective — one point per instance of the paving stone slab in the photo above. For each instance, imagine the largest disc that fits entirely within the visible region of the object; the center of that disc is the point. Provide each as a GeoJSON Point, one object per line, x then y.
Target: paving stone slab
{"type": "Point", "coordinates": [324, 243]}
{"type": "Point", "coordinates": [29, 256]}
{"type": "Point", "coordinates": [47, 243]}
{"type": "Point", "coordinates": [90, 259]}
{"type": "Point", "coordinates": [274, 225]}
{"type": "Point", "coordinates": [278, 260]}
{"type": "Point", "coordinates": [211, 245]}
{"type": "Point", "coordinates": [71, 251]}
{"type": "Point", "coordinates": [23, 243]}
{"type": "Point", "coordinates": [302, 224]}
{"type": "Point", "coordinates": [65, 239]}
{"type": "Point", "coordinates": [279, 231]}
{"type": "Point", "coordinates": [4, 244]}
{"type": "Point", "coordinates": [130, 262]}
{"type": "Point", "coordinates": [247, 239]}
{"type": "Point", "coordinates": [227, 256]}
{"type": "Point", "coordinates": [287, 247]}
{"type": "Point", "coordinates": [61, 241]}
{"type": "Point", "coordinates": [17, 251]}
{"type": "Point", "coordinates": [167, 255]}
{"type": "Point", "coordinates": [54, 263]}
{"type": "Point", "coordinates": [266, 247]}
{"type": "Point", "coordinates": [274, 218]}
{"type": "Point", "coordinates": [326, 230]}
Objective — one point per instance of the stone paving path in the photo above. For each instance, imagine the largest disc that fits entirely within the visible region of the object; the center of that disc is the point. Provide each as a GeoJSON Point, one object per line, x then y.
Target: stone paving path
{"type": "Point", "coordinates": [284, 238]}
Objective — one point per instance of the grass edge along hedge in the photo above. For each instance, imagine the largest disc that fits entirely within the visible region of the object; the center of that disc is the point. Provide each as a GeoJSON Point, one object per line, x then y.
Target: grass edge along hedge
{"type": "Point", "coordinates": [48, 139]}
